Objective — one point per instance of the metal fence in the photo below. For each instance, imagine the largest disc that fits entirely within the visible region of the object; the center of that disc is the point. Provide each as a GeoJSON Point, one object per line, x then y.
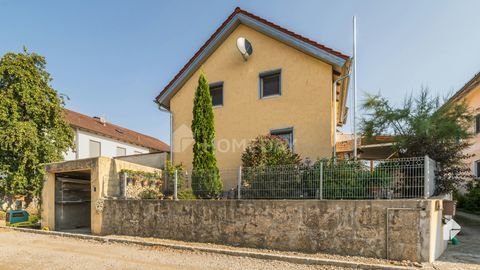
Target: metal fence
{"type": "Point", "coordinates": [322, 180]}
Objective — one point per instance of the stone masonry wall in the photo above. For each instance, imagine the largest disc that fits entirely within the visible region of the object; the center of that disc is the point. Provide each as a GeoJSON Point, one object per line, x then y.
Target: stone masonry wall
{"type": "Point", "coordinates": [340, 227]}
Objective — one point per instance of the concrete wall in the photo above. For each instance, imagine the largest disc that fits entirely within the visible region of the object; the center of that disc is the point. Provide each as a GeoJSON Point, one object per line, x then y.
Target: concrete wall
{"type": "Point", "coordinates": [108, 146]}
{"type": "Point", "coordinates": [154, 160]}
{"type": "Point", "coordinates": [305, 103]}
{"type": "Point", "coordinates": [104, 181]}
{"type": "Point", "coordinates": [341, 227]}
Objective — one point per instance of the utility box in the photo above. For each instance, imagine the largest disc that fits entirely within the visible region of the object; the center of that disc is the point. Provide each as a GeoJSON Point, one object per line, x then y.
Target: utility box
{"type": "Point", "coordinates": [16, 216]}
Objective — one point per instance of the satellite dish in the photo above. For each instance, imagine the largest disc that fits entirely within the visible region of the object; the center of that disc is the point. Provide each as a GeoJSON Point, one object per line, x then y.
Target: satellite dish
{"type": "Point", "coordinates": [245, 47]}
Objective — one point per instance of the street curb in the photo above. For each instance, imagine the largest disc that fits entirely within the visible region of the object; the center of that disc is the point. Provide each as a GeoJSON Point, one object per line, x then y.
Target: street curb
{"type": "Point", "coordinates": [256, 255]}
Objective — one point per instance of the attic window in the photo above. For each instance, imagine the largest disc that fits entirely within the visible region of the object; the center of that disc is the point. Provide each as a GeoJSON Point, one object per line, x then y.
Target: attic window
{"type": "Point", "coordinates": [270, 83]}
{"type": "Point", "coordinates": [119, 131]}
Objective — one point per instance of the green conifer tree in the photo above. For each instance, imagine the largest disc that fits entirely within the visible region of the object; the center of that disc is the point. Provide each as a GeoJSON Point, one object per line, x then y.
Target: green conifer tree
{"type": "Point", "coordinates": [206, 182]}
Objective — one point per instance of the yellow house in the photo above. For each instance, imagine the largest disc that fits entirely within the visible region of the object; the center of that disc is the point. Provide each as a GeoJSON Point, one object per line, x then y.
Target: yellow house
{"type": "Point", "coordinates": [470, 93]}
{"type": "Point", "coordinates": [284, 88]}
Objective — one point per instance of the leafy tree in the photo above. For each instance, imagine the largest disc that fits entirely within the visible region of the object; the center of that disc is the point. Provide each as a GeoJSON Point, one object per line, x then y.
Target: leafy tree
{"type": "Point", "coordinates": [206, 182]}
{"type": "Point", "coordinates": [33, 129]}
{"type": "Point", "coordinates": [423, 126]}
{"type": "Point", "coordinates": [268, 150]}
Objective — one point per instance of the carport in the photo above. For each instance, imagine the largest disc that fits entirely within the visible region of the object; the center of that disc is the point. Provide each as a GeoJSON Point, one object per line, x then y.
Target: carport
{"type": "Point", "coordinates": [73, 192]}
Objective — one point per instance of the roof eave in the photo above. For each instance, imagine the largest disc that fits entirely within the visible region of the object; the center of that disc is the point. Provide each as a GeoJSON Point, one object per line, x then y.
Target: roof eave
{"type": "Point", "coordinates": [469, 86]}
{"type": "Point", "coordinates": [344, 93]}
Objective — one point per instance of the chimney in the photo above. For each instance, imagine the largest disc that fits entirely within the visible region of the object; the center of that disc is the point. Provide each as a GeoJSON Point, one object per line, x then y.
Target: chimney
{"type": "Point", "coordinates": [101, 119]}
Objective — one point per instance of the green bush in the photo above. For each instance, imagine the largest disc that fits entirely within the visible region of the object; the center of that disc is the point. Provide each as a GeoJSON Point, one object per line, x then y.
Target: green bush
{"type": "Point", "coordinates": [2, 215]}
{"type": "Point", "coordinates": [33, 219]}
{"type": "Point", "coordinates": [471, 200]}
{"type": "Point", "coordinates": [269, 151]}
{"type": "Point", "coordinates": [350, 179]}
{"type": "Point", "coordinates": [150, 194]}
{"type": "Point", "coordinates": [186, 194]}
{"type": "Point", "coordinates": [271, 170]}
{"type": "Point", "coordinates": [206, 184]}
{"type": "Point", "coordinates": [170, 175]}
{"type": "Point", "coordinates": [325, 178]}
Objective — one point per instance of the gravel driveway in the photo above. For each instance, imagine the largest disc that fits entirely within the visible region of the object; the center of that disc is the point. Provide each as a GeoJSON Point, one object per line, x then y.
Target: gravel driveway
{"type": "Point", "coordinates": [21, 250]}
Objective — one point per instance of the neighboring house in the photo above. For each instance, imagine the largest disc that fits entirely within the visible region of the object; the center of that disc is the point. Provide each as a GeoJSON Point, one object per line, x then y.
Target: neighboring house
{"type": "Point", "coordinates": [470, 93]}
{"type": "Point", "coordinates": [94, 137]}
{"type": "Point", "coordinates": [284, 88]}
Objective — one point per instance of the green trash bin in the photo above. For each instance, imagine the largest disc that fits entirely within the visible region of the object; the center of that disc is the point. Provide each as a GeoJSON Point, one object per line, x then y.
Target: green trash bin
{"type": "Point", "coordinates": [16, 216]}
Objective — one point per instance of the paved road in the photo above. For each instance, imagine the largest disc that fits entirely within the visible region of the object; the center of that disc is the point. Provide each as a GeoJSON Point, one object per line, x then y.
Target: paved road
{"type": "Point", "coordinates": [466, 255]}
{"type": "Point", "coordinates": [19, 250]}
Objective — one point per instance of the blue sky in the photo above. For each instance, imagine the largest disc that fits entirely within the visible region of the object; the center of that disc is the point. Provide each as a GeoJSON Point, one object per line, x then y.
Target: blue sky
{"type": "Point", "coordinates": [113, 57]}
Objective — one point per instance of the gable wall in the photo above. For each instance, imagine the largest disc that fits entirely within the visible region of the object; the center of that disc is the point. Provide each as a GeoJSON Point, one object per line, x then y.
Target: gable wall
{"type": "Point", "coordinates": [305, 103]}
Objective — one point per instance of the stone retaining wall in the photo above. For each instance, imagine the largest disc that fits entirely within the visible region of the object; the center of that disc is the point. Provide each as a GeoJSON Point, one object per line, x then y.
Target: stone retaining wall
{"type": "Point", "coordinates": [340, 227]}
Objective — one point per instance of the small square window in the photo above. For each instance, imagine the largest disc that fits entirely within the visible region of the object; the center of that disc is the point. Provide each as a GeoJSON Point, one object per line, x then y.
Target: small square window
{"type": "Point", "coordinates": [270, 83]}
{"type": "Point", "coordinates": [477, 124]}
{"type": "Point", "coordinates": [286, 134]}
{"type": "Point", "coordinates": [216, 91]}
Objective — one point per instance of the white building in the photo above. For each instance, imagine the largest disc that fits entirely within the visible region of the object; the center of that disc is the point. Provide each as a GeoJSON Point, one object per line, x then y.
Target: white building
{"type": "Point", "coordinates": [95, 137]}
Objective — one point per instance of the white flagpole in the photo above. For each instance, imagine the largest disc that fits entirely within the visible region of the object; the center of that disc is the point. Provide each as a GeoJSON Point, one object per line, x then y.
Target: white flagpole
{"type": "Point", "coordinates": [355, 87]}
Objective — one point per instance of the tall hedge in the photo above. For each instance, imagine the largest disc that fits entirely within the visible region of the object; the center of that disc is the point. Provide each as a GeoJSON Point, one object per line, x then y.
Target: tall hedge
{"type": "Point", "coordinates": [206, 182]}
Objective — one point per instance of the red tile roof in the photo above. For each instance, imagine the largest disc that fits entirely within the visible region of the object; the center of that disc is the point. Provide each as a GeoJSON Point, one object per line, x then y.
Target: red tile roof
{"type": "Point", "coordinates": [94, 125]}
{"type": "Point", "coordinates": [238, 10]}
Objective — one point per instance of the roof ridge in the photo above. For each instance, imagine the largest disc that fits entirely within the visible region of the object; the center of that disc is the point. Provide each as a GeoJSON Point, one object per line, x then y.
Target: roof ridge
{"type": "Point", "coordinates": [337, 53]}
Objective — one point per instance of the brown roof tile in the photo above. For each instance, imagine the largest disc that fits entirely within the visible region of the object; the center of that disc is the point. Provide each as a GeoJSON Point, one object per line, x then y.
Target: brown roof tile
{"type": "Point", "coordinates": [94, 125]}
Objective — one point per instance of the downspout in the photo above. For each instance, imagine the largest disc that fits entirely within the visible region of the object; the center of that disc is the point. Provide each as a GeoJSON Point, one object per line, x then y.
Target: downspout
{"type": "Point", "coordinates": [335, 113]}
{"type": "Point", "coordinates": [77, 147]}
{"type": "Point", "coordinates": [165, 109]}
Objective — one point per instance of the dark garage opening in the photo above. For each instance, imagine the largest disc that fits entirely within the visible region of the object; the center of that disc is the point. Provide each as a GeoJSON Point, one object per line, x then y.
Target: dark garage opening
{"type": "Point", "coordinates": [72, 201]}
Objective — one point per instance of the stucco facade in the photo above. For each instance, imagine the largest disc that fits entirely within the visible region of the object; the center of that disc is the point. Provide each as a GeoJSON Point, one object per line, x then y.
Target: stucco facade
{"type": "Point", "coordinates": [108, 146]}
{"type": "Point", "coordinates": [304, 106]}
{"type": "Point", "coordinates": [473, 101]}
{"type": "Point", "coordinates": [470, 94]}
